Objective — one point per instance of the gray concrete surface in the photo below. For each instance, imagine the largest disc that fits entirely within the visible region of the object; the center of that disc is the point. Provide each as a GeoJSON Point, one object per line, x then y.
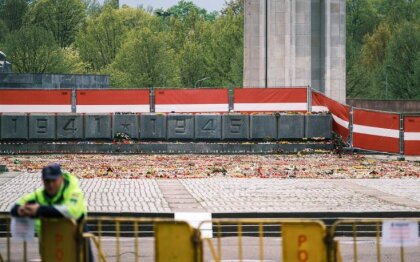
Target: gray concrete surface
{"type": "Point", "coordinates": [233, 195]}
{"type": "Point", "coordinates": [56, 81]}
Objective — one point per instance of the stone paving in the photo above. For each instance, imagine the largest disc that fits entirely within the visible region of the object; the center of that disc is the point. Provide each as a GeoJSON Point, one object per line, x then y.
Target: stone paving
{"type": "Point", "coordinates": [232, 194]}
{"type": "Point", "coordinates": [102, 195]}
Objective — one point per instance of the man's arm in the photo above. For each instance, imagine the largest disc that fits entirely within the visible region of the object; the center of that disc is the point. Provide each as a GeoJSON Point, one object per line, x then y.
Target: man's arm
{"type": "Point", "coordinates": [28, 207]}
{"type": "Point", "coordinates": [18, 209]}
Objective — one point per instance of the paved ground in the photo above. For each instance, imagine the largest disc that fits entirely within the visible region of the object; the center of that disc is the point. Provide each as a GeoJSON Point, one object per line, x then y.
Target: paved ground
{"type": "Point", "coordinates": [231, 194]}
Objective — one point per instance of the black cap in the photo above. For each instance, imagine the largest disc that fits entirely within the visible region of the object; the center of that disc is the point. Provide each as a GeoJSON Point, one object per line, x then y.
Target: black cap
{"type": "Point", "coordinates": [51, 172]}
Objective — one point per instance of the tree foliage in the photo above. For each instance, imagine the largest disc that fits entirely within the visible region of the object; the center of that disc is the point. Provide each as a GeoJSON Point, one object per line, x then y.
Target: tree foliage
{"type": "Point", "coordinates": [3, 30]}
{"type": "Point", "coordinates": [12, 13]}
{"type": "Point", "coordinates": [145, 60]}
{"type": "Point", "coordinates": [383, 48]}
{"type": "Point", "coordinates": [33, 50]}
{"type": "Point", "coordinates": [100, 40]}
{"type": "Point", "coordinates": [63, 18]}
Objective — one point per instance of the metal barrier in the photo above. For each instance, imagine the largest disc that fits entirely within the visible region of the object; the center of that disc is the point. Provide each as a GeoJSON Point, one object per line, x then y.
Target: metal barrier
{"type": "Point", "coordinates": [302, 240]}
{"type": "Point", "coordinates": [165, 240]}
{"type": "Point", "coordinates": [113, 239]}
{"type": "Point", "coordinates": [365, 225]}
{"type": "Point", "coordinates": [6, 243]}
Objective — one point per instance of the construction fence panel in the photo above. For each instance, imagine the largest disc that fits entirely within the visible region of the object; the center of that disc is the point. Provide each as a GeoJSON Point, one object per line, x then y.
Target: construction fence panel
{"type": "Point", "coordinates": [35, 101]}
{"type": "Point", "coordinates": [141, 239]}
{"type": "Point", "coordinates": [113, 101]}
{"type": "Point", "coordinates": [376, 131]}
{"type": "Point", "coordinates": [412, 135]}
{"type": "Point", "coordinates": [201, 100]}
{"type": "Point", "coordinates": [340, 113]}
{"type": "Point", "coordinates": [265, 240]}
{"type": "Point", "coordinates": [16, 250]}
{"type": "Point", "coordinates": [270, 99]}
{"type": "Point", "coordinates": [374, 240]}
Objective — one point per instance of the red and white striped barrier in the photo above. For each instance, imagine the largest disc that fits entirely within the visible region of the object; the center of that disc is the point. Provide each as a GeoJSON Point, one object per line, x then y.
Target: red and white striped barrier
{"type": "Point", "coordinates": [340, 113]}
{"type": "Point", "coordinates": [35, 101]}
{"type": "Point", "coordinates": [270, 99]}
{"type": "Point", "coordinates": [191, 100]}
{"type": "Point", "coordinates": [377, 131]}
{"type": "Point", "coordinates": [111, 101]}
{"type": "Point", "coordinates": [412, 135]}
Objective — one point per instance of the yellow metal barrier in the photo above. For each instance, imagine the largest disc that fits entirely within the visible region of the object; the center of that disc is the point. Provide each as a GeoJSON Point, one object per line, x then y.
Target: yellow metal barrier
{"type": "Point", "coordinates": [177, 242]}
{"type": "Point", "coordinates": [166, 240]}
{"type": "Point", "coordinates": [302, 240]}
{"type": "Point", "coordinates": [59, 240]}
{"type": "Point", "coordinates": [335, 252]}
{"type": "Point", "coordinates": [129, 239]}
{"type": "Point", "coordinates": [21, 248]}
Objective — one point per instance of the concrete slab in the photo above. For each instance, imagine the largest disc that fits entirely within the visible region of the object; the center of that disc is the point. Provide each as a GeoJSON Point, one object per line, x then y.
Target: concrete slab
{"type": "Point", "coordinates": [263, 127]}
{"type": "Point", "coordinates": [98, 126]}
{"type": "Point", "coordinates": [14, 126]}
{"type": "Point", "coordinates": [208, 127]}
{"type": "Point", "coordinates": [42, 127]}
{"type": "Point", "coordinates": [318, 126]}
{"type": "Point", "coordinates": [235, 127]}
{"type": "Point", "coordinates": [180, 127]}
{"type": "Point", "coordinates": [291, 127]}
{"type": "Point", "coordinates": [70, 126]}
{"type": "Point", "coordinates": [153, 127]}
{"type": "Point", "coordinates": [127, 124]}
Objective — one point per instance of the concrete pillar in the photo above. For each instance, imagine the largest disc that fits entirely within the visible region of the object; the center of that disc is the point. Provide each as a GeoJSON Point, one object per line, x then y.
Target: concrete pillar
{"type": "Point", "coordinates": [304, 41]}
{"type": "Point", "coordinates": [255, 42]}
{"type": "Point", "coordinates": [335, 49]}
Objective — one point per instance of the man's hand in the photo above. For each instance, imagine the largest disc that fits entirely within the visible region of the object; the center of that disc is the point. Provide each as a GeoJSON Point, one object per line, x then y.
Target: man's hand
{"type": "Point", "coordinates": [22, 211]}
{"type": "Point", "coordinates": [31, 209]}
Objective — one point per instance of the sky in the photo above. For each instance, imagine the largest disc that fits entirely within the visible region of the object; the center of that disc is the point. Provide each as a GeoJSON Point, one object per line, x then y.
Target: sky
{"type": "Point", "coordinates": [210, 5]}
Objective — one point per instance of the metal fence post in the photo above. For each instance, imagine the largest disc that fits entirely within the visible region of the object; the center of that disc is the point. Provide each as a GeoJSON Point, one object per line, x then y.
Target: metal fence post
{"type": "Point", "coordinates": [351, 128]}
{"type": "Point", "coordinates": [401, 157]}
{"type": "Point", "coordinates": [309, 99]}
{"type": "Point", "coordinates": [152, 99]}
{"type": "Point", "coordinates": [73, 99]}
{"type": "Point", "coordinates": [231, 93]}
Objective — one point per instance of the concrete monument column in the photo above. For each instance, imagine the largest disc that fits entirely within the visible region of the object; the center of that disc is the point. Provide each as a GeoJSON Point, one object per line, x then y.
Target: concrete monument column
{"type": "Point", "coordinates": [296, 43]}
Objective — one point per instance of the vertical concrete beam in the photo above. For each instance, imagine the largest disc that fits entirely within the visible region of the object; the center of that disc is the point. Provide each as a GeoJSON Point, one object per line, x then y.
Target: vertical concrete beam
{"type": "Point", "coordinates": [335, 49]}
{"type": "Point", "coordinates": [254, 43]}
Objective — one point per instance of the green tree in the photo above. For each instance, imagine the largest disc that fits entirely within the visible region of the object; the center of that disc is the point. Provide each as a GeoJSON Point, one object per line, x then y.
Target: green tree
{"type": "Point", "coordinates": [73, 64]}
{"type": "Point", "coordinates": [225, 50]}
{"type": "Point", "coordinates": [93, 7]}
{"type": "Point", "coordinates": [33, 50]}
{"type": "Point", "coordinates": [12, 13]}
{"type": "Point", "coordinates": [401, 69]}
{"type": "Point", "coordinates": [144, 60]}
{"type": "Point", "coordinates": [373, 50]}
{"type": "Point", "coordinates": [61, 17]}
{"type": "Point", "coordinates": [397, 11]}
{"type": "Point", "coordinates": [3, 30]}
{"type": "Point", "coordinates": [184, 8]}
{"type": "Point", "coordinates": [112, 3]}
{"type": "Point", "coordinates": [102, 37]}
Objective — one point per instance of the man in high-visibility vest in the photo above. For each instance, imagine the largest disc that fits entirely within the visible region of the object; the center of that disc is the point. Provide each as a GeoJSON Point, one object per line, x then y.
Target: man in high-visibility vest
{"type": "Point", "coordinates": [60, 197]}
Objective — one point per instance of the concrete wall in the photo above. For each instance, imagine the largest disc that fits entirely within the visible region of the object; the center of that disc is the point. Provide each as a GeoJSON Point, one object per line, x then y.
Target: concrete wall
{"type": "Point", "coordinates": [296, 43]}
{"type": "Point", "coordinates": [172, 127]}
{"type": "Point", "coordinates": [9, 80]}
{"type": "Point", "coordinates": [402, 106]}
